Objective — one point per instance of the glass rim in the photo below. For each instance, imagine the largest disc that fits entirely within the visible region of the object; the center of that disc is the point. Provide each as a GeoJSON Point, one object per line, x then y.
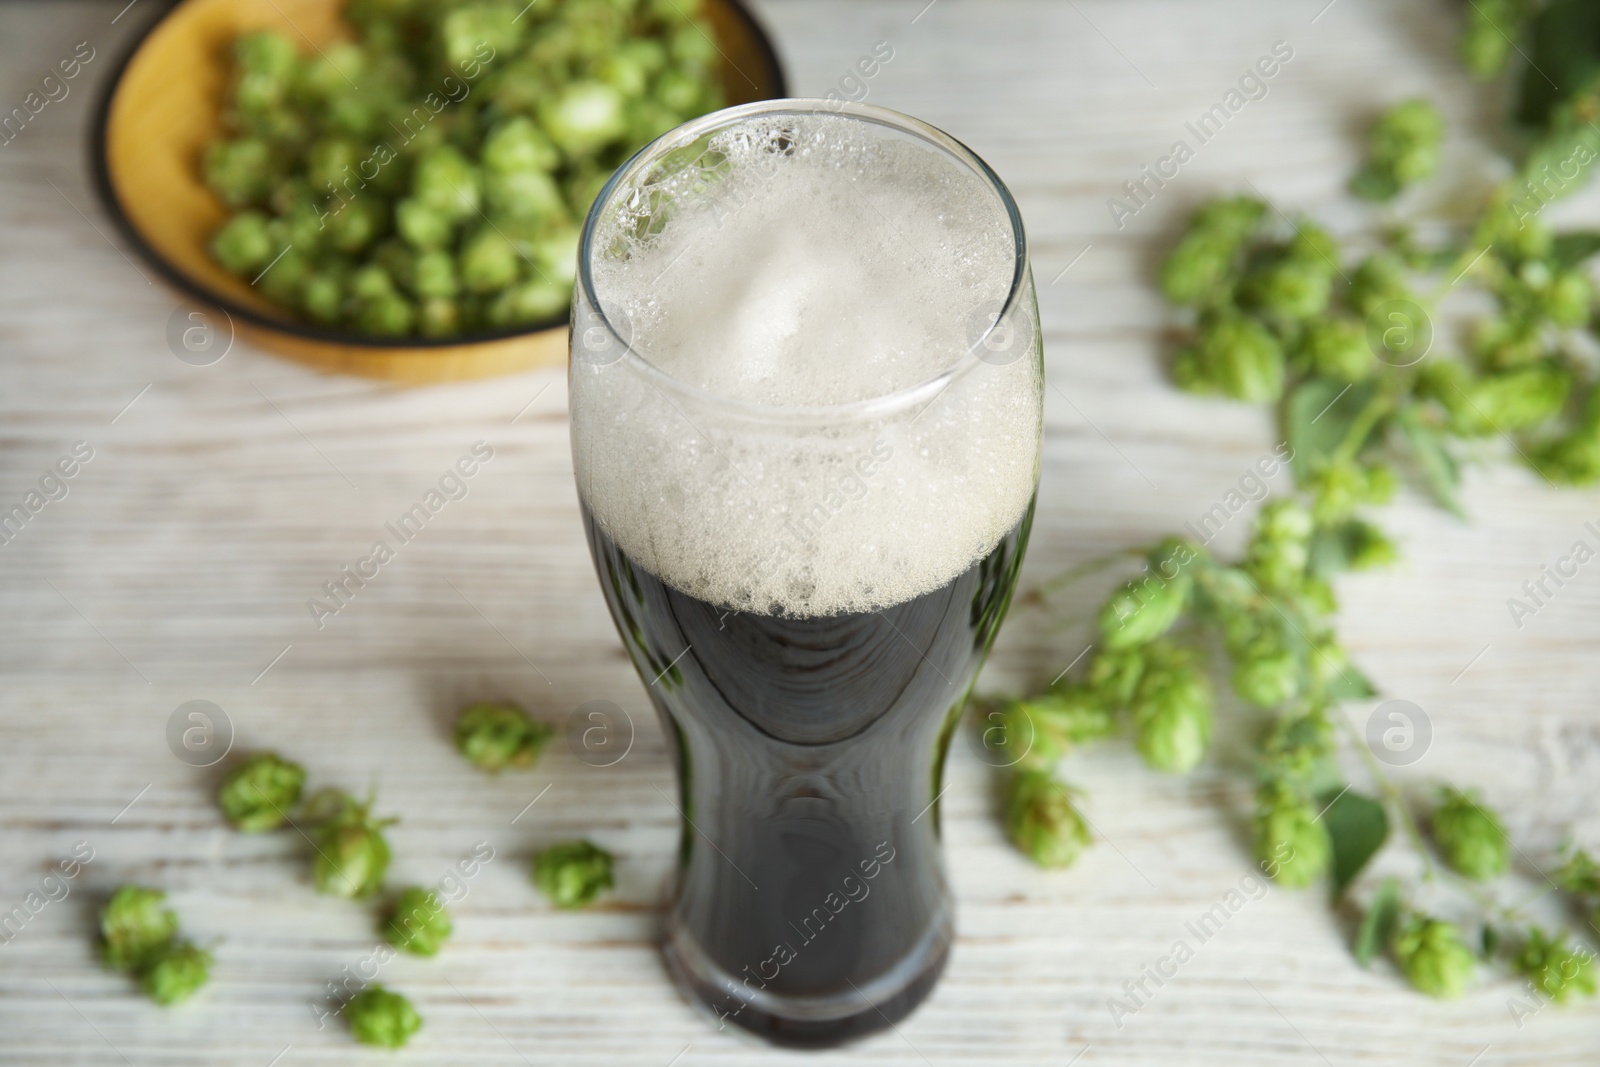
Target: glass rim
{"type": "Point", "coordinates": [693, 130]}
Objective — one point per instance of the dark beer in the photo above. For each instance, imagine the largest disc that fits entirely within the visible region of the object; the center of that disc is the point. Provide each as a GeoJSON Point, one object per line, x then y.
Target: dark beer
{"type": "Point", "coordinates": [806, 393]}
{"type": "Point", "coordinates": [810, 755]}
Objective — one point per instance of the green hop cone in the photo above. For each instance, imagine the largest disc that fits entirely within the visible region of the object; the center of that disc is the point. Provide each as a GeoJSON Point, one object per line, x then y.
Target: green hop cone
{"type": "Point", "coordinates": [352, 855]}
{"type": "Point", "coordinates": [583, 117]}
{"type": "Point", "coordinates": [447, 182]}
{"type": "Point", "coordinates": [422, 225]}
{"type": "Point", "coordinates": [1504, 343]}
{"type": "Point", "coordinates": [1044, 728]}
{"type": "Point", "coordinates": [1445, 381]}
{"type": "Point", "coordinates": [1315, 598]}
{"type": "Point", "coordinates": [351, 860]}
{"type": "Point", "coordinates": [1568, 300]}
{"type": "Point", "coordinates": [517, 144]}
{"type": "Point", "coordinates": [1380, 278]}
{"type": "Point", "coordinates": [135, 926]}
{"type": "Point", "coordinates": [1382, 482]}
{"type": "Point", "coordinates": [417, 922]}
{"type": "Point", "coordinates": [1172, 554]}
{"type": "Point", "coordinates": [1433, 956]}
{"type": "Point", "coordinates": [357, 225]}
{"type": "Point", "coordinates": [1572, 459]}
{"type": "Point", "coordinates": [380, 1017]}
{"type": "Point", "coordinates": [1229, 592]}
{"type": "Point", "coordinates": [1341, 486]}
{"type": "Point", "coordinates": [1172, 714]}
{"type": "Point", "coordinates": [1243, 624]}
{"type": "Point", "coordinates": [329, 805]}
{"type": "Point", "coordinates": [1291, 844]}
{"type": "Point", "coordinates": [1200, 268]}
{"type": "Point", "coordinates": [388, 315]}
{"type": "Point", "coordinates": [1507, 227]}
{"type": "Point", "coordinates": [1526, 288]}
{"type": "Point", "coordinates": [1297, 284]}
{"type": "Point", "coordinates": [1233, 217]}
{"type": "Point", "coordinates": [1579, 875]}
{"type": "Point", "coordinates": [438, 317]}
{"type": "Point", "coordinates": [1280, 545]}
{"type": "Point", "coordinates": [1009, 735]}
{"type": "Point", "coordinates": [1557, 969]}
{"type": "Point", "coordinates": [285, 279]}
{"type": "Point", "coordinates": [1313, 245]}
{"type": "Point", "coordinates": [1337, 348]}
{"type": "Point", "coordinates": [259, 793]}
{"type": "Point", "coordinates": [1197, 270]}
{"type": "Point", "coordinates": [573, 874]}
{"type": "Point", "coordinates": [1072, 713]}
{"type": "Point", "coordinates": [1233, 355]}
{"type": "Point", "coordinates": [1470, 837]}
{"type": "Point", "coordinates": [489, 261]}
{"type": "Point", "coordinates": [1370, 547]}
{"type": "Point", "coordinates": [1266, 674]}
{"type": "Point", "coordinates": [1487, 39]}
{"type": "Point", "coordinates": [1295, 745]}
{"type": "Point", "coordinates": [1143, 609]}
{"type": "Point", "coordinates": [175, 973]}
{"type": "Point", "coordinates": [1114, 676]}
{"type": "Point", "coordinates": [1373, 181]}
{"type": "Point", "coordinates": [1042, 821]}
{"type": "Point", "coordinates": [434, 275]}
{"type": "Point", "coordinates": [1511, 400]}
{"type": "Point", "coordinates": [1402, 148]}
{"type": "Point", "coordinates": [1337, 490]}
{"type": "Point", "coordinates": [245, 243]}
{"type": "Point", "coordinates": [1283, 520]}
{"type": "Point", "coordinates": [495, 736]}
{"type": "Point", "coordinates": [239, 171]}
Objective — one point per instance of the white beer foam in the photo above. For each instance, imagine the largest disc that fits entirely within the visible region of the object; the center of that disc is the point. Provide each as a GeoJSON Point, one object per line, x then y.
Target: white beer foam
{"type": "Point", "coordinates": [806, 261]}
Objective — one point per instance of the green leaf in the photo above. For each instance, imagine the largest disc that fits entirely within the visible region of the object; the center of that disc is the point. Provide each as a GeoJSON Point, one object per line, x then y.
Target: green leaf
{"type": "Point", "coordinates": [1350, 684]}
{"type": "Point", "coordinates": [1491, 941]}
{"type": "Point", "coordinates": [1374, 183]}
{"type": "Point", "coordinates": [1378, 922]}
{"type": "Point", "coordinates": [1563, 58]}
{"type": "Point", "coordinates": [1318, 417]}
{"type": "Point", "coordinates": [1353, 544]}
{"type": "Point", "coordinates": [1555, 163]}
{"type": "Point", "coordinates": [1571, 249]}
{"type": "Point", "coordinates": [1325, 779]}
{"type": "Point", "coordinates": [1434, 464]}
{"type": "Point", "coordinates": [1331, 548]}
{"type": "Point", "coordinates": [1357, 825]}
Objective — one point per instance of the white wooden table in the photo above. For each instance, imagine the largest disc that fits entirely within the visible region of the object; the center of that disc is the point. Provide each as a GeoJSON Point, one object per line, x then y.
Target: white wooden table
{"type": "Point", "coordinates": [220, 498]}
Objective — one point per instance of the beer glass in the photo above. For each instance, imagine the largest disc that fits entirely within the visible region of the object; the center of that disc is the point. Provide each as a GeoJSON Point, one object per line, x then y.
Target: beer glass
{"type": "Point", "coordinates": [806, 397]}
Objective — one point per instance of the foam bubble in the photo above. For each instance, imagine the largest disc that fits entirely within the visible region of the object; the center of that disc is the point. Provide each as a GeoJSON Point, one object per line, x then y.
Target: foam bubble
{"type": "Point", "coordinates": [798, 261]}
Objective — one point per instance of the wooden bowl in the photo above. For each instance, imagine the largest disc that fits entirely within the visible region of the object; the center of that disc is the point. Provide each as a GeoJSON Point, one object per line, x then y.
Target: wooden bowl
{"type": "Point", "coordinates": [163, 108]}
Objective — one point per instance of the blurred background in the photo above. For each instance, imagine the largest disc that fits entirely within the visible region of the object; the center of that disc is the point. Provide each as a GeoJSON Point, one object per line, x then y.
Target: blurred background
{"type": "Point", "coordinates": [218, 498]}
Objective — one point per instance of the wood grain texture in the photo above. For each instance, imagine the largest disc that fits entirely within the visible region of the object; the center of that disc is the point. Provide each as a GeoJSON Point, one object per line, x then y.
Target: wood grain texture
{"type": "Point", "coordinates": [179, 565]}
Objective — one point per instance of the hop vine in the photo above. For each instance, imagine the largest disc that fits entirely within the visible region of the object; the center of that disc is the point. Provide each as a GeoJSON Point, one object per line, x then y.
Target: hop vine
{"type": "Point", "coordinates": [1339, 338]}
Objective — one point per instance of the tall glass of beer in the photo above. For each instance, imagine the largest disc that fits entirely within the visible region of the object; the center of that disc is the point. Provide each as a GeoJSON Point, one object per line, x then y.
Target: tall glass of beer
{"type": "Point", "coordinates": [806, 396]}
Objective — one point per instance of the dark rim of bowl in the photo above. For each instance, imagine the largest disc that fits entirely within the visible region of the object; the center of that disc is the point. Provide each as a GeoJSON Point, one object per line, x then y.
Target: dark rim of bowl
{"type": "Point", "coordinates": [100, 171]}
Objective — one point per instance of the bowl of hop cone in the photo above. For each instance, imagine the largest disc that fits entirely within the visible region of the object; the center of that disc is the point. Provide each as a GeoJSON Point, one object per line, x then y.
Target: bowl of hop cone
{"type": "Point", "coordinates": [395, 188]}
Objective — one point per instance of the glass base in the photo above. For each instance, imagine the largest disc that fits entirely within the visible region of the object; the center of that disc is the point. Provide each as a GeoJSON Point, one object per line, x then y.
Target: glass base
{"type": "Point", "coordinates": [809, 1022]}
